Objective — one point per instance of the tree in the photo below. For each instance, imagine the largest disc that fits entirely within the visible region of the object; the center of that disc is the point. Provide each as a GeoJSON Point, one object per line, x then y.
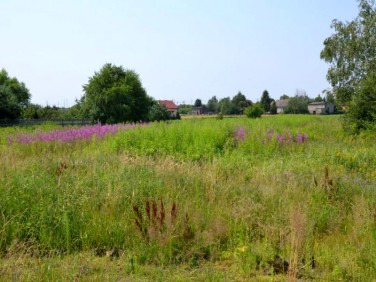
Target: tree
{"type": "Point", "coordinates": [185, 109]}
{"type": "Point", "coordinates": [32, 111]}
{"type": "Point", "coordinates": [213, 104]}
{"type": "Point", "coordinates": [318, 98]}
{"type": "Point", "coordinates": [362, 109]}
{"type": "Point", "coordinates": [265, 101]}
{"type": "Point", "coordinates": [297, 105]}
{"type": "Point", "coordinates": [14, 96]}
{"type": "Point", "coordinates": [115, 95]}
{"type": "Point", "coordinates": [198, 103]}
{"type": "Point", "coordinates": [329, 96]}
{"type": "Point", "coordinates": [239, 103]}
{"type": "Point", "coordinates": [254, 111]}
{"type": "Point", "coordinates": [351, 53]}
{"type": "Point", "coordinates": [159, 112]}
{"type": "Point", "coordinates": [225, 106]}
{"type": "Point", "coordinates": [273, 108]}
{"type": "Point", "coordinates": [284, 97]}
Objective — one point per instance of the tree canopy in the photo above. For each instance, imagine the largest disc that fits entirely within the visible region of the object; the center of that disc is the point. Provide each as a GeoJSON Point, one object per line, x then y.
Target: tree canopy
{"type": "Point", "coordinates": [298, 104]}
{"type": "Point", "coordinates": [213, 104]}
{"type": "Point", "coordinates": [284, 97]}
{"type": "Point", "coordinates": [225, 106]}
{"type": "Point", "coordinates": [14, 96]}
{"type": "Point", "coordinates": [115, 94]}
{"type": "Point", "coordinates": [265, 101]}
{"type": "Point", "coordinates": [198, 103]}
{"type": "Point", "coordinates": [239, 103]}
{"type": "Point", "coordinates": [159, 112]}
{"type": "Point", "coordinates": [351, 53]}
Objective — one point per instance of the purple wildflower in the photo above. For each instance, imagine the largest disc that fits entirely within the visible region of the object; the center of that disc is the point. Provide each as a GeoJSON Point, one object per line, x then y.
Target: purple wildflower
{"type": "Point", "coordinates": [280, 138]}
{"type": "Point", "coordinates": [299, 137]}
{"type": "Point", "coordinates": [239, 134]}
{"type": "Point", "coordinates": [73, 134]}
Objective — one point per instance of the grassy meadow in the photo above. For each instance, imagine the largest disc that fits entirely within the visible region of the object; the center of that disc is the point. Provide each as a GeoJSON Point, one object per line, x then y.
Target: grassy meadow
{"type": "Point", "coordinates": [198, 199]}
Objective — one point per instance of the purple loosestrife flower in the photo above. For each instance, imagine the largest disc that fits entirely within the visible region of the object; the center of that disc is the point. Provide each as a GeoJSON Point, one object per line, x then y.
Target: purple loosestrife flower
{"type": "Point", "coordinates": [73, 134]}
{"type": "Point", "coordinates": [299, 137]}
{"type": "Point", "coordinates": [239, 134]}
{"type": "Point", "coordinates": [270, 133]}
{"type": "Point", "coordinates": [280, 138]}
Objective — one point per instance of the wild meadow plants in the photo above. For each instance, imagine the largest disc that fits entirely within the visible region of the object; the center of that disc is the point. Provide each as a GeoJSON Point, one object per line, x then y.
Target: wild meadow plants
{"type": "Point", "coordinates": [71, 134]}
{"type": "Point", "coordinates": [277, 198]}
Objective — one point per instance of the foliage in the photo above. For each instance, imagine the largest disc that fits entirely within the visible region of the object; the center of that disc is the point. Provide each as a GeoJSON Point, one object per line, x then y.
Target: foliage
{"type": "Point", "coordinates": [198, 103]}
{"type": "Point", "coordinates": [273, 108]}
{"type": "Point", "coordinates": [32, 111]}
{"type": "Point", "coordinates": [225, 106]}
{"type": "Point", "coordinates": [362, 109]}
{"type": "Point", "coordinates": [318, 99]}
{"type": "Point", "coordinates": [350, 51]}
{"type": "Point", "coordinates": [297, 105]}
{"type": "Point", "coordinates": [115, 95]}
{"type": "Point", "coordinates": [284, 97]}
{"type": "Point", "coordinates": [239, 103]}
{"type": "Point", "coordinates": [159, 112]}
{"type": "Point", "coordinates": [217, 200]}
{"type": "Point", "coordinates": [213, 105]}
{"type": "Point", "coordinates": [14, 96]}
{"type": "Point", "coordinates": [72, 134]}
{"type": "Point", "coordinates": [265, 101]}
{"type": "Point", "coordinates": [185, 109]}
{"type": "Point", "coordinates": [254, 111]}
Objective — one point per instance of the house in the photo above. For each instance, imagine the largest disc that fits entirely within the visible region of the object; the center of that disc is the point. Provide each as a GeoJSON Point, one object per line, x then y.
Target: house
{"type": "Point", "coordinates": [321, 108]}
{"type": "Point", "coordinates": [198, 110]}
{"type": "Point", "coordinates": [281, 105]}
{"type": "Point", "coordinates": [170, 105]}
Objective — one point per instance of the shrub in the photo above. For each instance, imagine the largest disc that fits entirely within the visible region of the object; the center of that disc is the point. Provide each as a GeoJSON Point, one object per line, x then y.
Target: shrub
{"type": "Point", "coordinates": [254, 111]}
{"type": "Point", "coordinates": [159, 112]}
{"type": "Point", "coordinates": [362, 109]}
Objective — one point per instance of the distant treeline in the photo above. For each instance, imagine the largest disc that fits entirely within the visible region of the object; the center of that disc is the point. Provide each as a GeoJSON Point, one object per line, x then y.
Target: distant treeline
{"type": "Point", "coordinates": [32, 122]}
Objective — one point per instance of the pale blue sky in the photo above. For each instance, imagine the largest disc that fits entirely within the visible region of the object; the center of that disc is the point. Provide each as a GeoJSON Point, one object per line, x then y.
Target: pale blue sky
{"type": "Point", "coordinates": [182, 50]}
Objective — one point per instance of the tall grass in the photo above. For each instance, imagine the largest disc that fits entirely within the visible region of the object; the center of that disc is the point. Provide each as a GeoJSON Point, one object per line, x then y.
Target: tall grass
{"type": "Point", "coordinates": [196, 191]}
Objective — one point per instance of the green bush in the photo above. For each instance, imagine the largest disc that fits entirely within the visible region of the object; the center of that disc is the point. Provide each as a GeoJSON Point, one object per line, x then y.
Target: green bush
{"type": "Point", "coordinates": [362, 109]}
{"type": "Point", "coordinates": [159, 112]}
{"type": "Point", "coordinates": [254, 111]}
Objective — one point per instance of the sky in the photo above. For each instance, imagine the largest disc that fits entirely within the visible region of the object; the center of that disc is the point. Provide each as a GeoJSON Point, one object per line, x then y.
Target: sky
{"type": "Point", "coordinates": [181, 49]}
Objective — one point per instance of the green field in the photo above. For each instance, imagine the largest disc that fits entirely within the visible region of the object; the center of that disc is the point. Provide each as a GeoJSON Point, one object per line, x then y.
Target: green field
{"type": "Point", "coordinates": [197, 199]}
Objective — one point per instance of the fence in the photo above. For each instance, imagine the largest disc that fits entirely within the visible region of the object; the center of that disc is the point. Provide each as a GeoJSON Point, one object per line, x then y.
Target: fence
{"type": "Point", "coordinates": [31, 122]}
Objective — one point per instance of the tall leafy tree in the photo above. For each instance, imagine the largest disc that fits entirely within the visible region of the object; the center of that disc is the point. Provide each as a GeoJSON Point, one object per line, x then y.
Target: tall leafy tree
{"type": "Point", "coordinates": [225, 106]}
{"type": "Point", "coordinates": [351, 53]}
{"type": "Point", "coordinates": [198, 103]}
{"type": "Point", "coordinates": [265, 101]}
{"type": "Point", "coordinates": [239, 103]}
{"type": "Point", "coordinates": [213, 104]}
{"type": "Point", "coordinates": [114, 95]}
{"type": "Point", "coordinates": [284, 97]}
{"type": "Point", "coordinates": [298, 104]}
{"type": "Point", "coordinates": [14, 96]}
{"type": "Point", "coordinates": [318, 98]}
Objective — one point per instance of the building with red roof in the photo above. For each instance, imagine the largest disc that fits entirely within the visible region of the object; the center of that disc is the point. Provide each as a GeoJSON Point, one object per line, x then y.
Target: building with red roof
{"type": "Point", "coordinates": [170, 105]}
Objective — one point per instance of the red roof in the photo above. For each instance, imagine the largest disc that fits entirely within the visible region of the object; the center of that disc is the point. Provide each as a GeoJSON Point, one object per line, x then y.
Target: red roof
{"type": "Point", "coordinates": [169, 104]}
